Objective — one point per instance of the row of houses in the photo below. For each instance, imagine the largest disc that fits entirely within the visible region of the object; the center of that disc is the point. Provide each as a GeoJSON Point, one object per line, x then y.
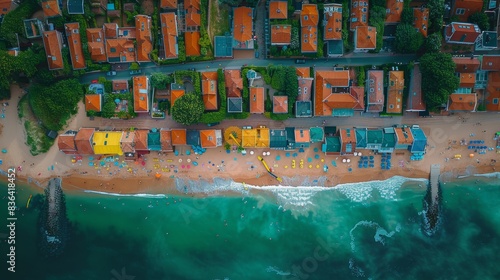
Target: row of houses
{"type": "Point", "coordinates": [133, 143]}
{"type": "Point", "coordinates": [346, 141]}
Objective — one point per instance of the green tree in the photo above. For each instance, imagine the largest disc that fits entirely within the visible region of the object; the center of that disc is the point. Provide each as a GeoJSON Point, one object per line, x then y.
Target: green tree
{"type": "Point", "coordinates": [377, 20]}
{"type": "Point", "coordinates": [481, 19]}
{"type": "Point", "coordinates": [407, 15]}
{"type": "Point", "coordinates": [295, 41]}
{"type": "Point", "coordinates": [188, 109]}
{"type": "Point", "coordinates": [159, 80]}
{"type": "Point", "coordinates": [436, 12]}
{"type": "Point", "coordinates": [439, 79]}
{"type": "Point", "coordinates": [408, 40]}
{"type": "Point", "coordinates": [108, 110]}
{"type": "Point", "coordinates": [134, 66]}
{"type": "Point", "coordinates": [55, 104]}
{"type": "Point", "coordinates": [433, 42]}
{"type": "Point", "coordinates": [13, 21]}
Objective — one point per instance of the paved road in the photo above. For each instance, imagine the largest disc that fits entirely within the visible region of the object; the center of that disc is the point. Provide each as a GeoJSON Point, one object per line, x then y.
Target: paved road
{"type": "Point", "coordinates": [351, 60]}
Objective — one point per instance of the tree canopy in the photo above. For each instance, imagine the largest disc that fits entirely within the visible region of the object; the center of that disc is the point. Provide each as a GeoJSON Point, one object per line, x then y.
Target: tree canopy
{"type": "Point", "coordinates": [54, 105]}
{"type": "Point", "coordinates": [188, 109]}
{"type": "Point", "coordinates": [407, 39]}
{"type": "Point", "coordinates": [481, 19]}
{"type": "Point", "coordinates": [436, 13]}
{"type": "Point", "coordinates": [438, 78]}
{"type": "Point", "coordinates": [433, 42]}
{"type": "Point", "coordinates": [160, 80]}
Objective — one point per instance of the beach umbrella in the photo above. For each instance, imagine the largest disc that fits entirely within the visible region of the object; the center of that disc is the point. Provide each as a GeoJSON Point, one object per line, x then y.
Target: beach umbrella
{"type": "Point", "coordinates": [344, 160]}
{"type": "Point", "coordinates": [278, 157]}
{"type": "Point", "coordinates": [350, 169]}
{"type": "Point", "coordinates": [117, 100]}
{"type": "Point", "coordinates": [188, 166]}
{"type": "Point", "coordinates": [360, 154]}
{"type": "Point", "coordinates": [188, 160]}
{"type": "Point", "coordinates": [157, 175]}
{"type": "Point", "coordinates": [315, 150]}
{"type": "Point", "coordinates": [317, 165]}
{"type": "Point", "coordinates": [355, 153]}
{"type": "Point", "coordinates": [188, 152]}
{"type": "Point", "coordinates": [295, 154]}
{"type": "Point", "coordinates": [348, 160]}
{"type": "Point", "coordinates": [195, 163]}
{"type": "Point", "coordinates": [471, 155]}
{"type": "Point", "coordinates": [251, 152]}
{"type": "Point", "coordinates": [180, 160]}
{"type": "Point", "coordinates": [4, 151]}
{"type": "Point", "coordinates": [102, 163]}
{"type": "Point", "coordinates": [116, 163]}
{"type": "Point", "coordinates": [264, 153]}
{"type": "Point", "coordinates": [310, 166]}
{"type": "Point", "coordinates": [183, 166]}
{"type": "Point", "coordinates": [301, 150]}
{"type": "Point", "coordinates": [287, 154]}
{"type": "Point", "coordinates": [268, 153]}
{"type": "Point", "coordinates": [176, 153]}
{"type": "Point", "coordinates": [316, 156]}
{"type": "Point", "coordinates": [309, 159]}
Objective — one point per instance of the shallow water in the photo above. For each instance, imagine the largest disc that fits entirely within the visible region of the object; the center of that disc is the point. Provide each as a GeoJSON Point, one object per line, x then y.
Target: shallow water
{"type": "Point", "coordinates": [363, 231]}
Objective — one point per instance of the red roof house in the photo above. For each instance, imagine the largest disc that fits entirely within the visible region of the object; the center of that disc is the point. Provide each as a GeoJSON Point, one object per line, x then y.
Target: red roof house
{"type": "Point", "coordinates": [75, 45]}
{"type": "Point", "coordinates": [493, 92]}
{"type": "Point", "coordinates": [66, 144]}
{"type": "Point", "coordinates": [243, 27]}
{"type": "Point", "coordinates": [375, 91]}
{"type": "Point", "coordinates": [83, 141]}
{"type": "Point", "coordinates": [393, 11]}
{"type": "Point", "coordinates": [463, 9]}
{"type": "Point", "coordinates": [209, 90]}
{"type": "Point", "coordinates": [359, 14]}
{"type": "Point", "coordinates": [52, 41]}
{"type": "Point", "coordinates": [141, 94]}
{"type": "Point", "coordinates": [280, 104]}
{"type": "Point", "coordinates": [144, 38]}
{"type": "Point", "coordinates": [281, 34]}
{"type": "Point", "coordinates": [421, 20]}
{"type": "Point", "coordinates": [332, 30]}
{"type": "Point", "coordinates": [169, 32]}
{"type": "Point", "coordinates": [309, 28]}
{"type": "Point", "coordinates": [95, 42]}
{"type": "Point", "coordinates": [257, 100]}
{"type": "Point", "coordinates": [461, 33]}
{"type": "Point", "coordinates": [365, 38]}
{"type": "Point", "coordinates": [278, 10]}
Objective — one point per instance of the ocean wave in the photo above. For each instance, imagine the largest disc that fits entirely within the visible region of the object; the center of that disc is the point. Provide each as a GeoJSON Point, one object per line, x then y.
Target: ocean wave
{"type": "Point", "coordinates": [380, 233]}
{"type": "Point", "coordinates": [144, 195]}
{"type": "Point", "coordinates": [489, 175]}
{"type": "Point", "coordinates": [277, 271]}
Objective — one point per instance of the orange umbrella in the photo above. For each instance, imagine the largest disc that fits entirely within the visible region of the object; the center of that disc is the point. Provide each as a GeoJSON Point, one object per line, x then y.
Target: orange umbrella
{"type": "Point", "coordinates": [158, 175]}
{"type": "Point", "coordinates": [471, 155]}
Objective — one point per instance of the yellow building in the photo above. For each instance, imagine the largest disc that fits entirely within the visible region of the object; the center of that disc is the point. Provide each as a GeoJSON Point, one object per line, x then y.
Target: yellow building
{"type": "Point", "coordinates": [263, 139]}
{"type": "Point", "coordinates": [107, 143]}
{"type": "Point", "coordinates": [248, 138]}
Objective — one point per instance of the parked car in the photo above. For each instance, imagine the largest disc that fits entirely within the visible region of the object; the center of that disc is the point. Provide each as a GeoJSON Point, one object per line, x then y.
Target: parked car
{"type": "Point", "coordinates": [300, 61]}
{"type": "Point", "coordinates": [192, 69]}
{"type": "Point", "coordinates": [111, 73]}
{"type": "Point", "coordinates": [135, 72]}
{"type": "Point", "coordinates": [95, 81]}
{"type": "Point", "coordinates": [213, 124]}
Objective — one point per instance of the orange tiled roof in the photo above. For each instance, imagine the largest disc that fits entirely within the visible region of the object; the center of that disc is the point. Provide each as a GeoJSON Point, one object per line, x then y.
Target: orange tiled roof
{"type": "Point", "coordinates": [309, 39]}
{"type": "Point", "coordinates": [168, 4]}
{"type": "Point", "coordinates": [493, 91]}
{"type": "Point", "coordinates": [421, 20]}
{"type": "Point", "coordinates": [358, 93]}
{"type": "Point", "coordinates": [66, 143]}
{"type": "Point", "coordinates": [120, 50]}
{"type": "Point", "coordinates": [110, 30]}
{"type": "Point", "coordinates": [93, 102]}
{"type": "Point", "coordinates": [208, 138]}
{"type": "Point", "coordinates": [193, 19]}
{"type": "Point", "coordinates": [127, 141]}
{"type": "Point", "coordinates": [280, 104]}
{"type": "Point", "coordinates": [14, 52]}
{"type": "Point", "coordinates": [141, 94]}
{"type": "Point", "coordinates": [192, 4]}
{"type": "Point", "coordinates": [191, 39]}
{"type": "Point", "coordinates": [281, 34]}
{"type": "Point", "coordinates": [415, 102]}
{"type": "Point", "coordinates": [95, 42]}
{"type": "Point", "coordinates": [6, 6]}
{"type": "Point", "coordinates": [332, 92]}
{"type": "Point", "coordinates": [359, 14]}
{"type": "Point", "coordinates": [75, 45]}
{"type": "Point", "coordinates": [467, 80]}
{"type": "Point", "coordinates": [178, 137]}
{"type": "Point", "coordinates": [347, 138]}
{"type": "Point", "coordinates": [466, 64]}
{"type": "Point", "coordinates": [166, 140]}
{"type": "Point", "coordinates": [395, 92]}
{"type": "Point", "coordinates": [176, 94]}
{"type": "Point", "coordinates": [119, 85]}
{"type": "Point", "coordinates": [366, 37]}
{"type": "Point", "coordinates": [304, 72]}
{"type": "Point", "coordinates": [305, 89]}
{"type": "Point", "coordinates": [404, 135]}
{"type": "Point", "coordinates": [51, 8]}
{"type": "Point", "coordinates": [467, 7]}
{"type": "Point", "coordinates": [242, 24]}
{"type": "Point", "coordinates": [169, 33]}
{"type": "Point", "coordinates": [393, 11]}
{"type": "Point", "coordinates": [461, 32]}
{"type": "Point", "coordinates": [333, 17]}
{"type": "Point", "coordinates": [257, 100]}
{"type": "Point", "coordinates": [234, 83]}
{"type": "Point", "coordinates": [375, 91]}
{"type": "Point", "coordinates": [490, 63]}
{"type": "Point", "coordinates": [144, 39]}
{"type": "Point", "coordinates": [302, 135]}
{"type": "Point", "coordinates": [462, 102]}
{"type": "Point", "coordinates": [83, 141]}
{"type": "Point", "coordinates": [209, 90]}
{"type": "Point", "coordinates": [141, 139]}
{"type": "Point", "coordinates": [278, 10]}
{"type": "Point", "coordinates": [52, 42]}
{"type": "Point", "coordinates": [309, 15]}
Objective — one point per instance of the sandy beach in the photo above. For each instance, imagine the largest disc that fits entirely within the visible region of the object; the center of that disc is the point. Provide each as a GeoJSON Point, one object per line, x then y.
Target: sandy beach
{"type": "Point", "coordinates": [446, 135]}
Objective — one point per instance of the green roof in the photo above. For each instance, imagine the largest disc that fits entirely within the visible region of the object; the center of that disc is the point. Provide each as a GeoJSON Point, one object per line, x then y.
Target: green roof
{"type": "Point", "coordinates": [332, 144]}
{"type": "Point", "coordinates": [303, 109]}
{"type": "Point", "coordinates": [317, 134]}
{"type": "Point", "coordinates": [277, 138]}
{"type": "Point", "coordinates": [360, 137]}
{"type": "Point", "coordinates": [223, 46]}
{"type": "Point", "coordinates": [154, 143]}
{"type": "Point", "coordinates": [234, 105]}
{"type": "Point", "coordinates": [389, 140]}
{"type": "Point", "coordinates": [374, 136]}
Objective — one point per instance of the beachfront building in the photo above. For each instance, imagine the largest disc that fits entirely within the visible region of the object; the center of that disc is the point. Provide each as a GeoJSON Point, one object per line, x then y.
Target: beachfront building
{"type": "Point", "coordinates": [375, 91]}
{"type": "Point", "coordinates": [166, 140]}
{"type": "Point", "coordinates": [209, 90]}
{"type": "Point", "coordinates": [141, 94]}
{"type": "Point", "coordinates": [302, 138]}
{"type": "Point", "coordinates": [127, 143]}
{"type": "Point", "coordinates": [257, 100]}
{"type": "Point", "coordinates": [309, 19]}
{"type": "Point", "coordinates": [193, 137]}
{"type": "Point", "coordinates": [332, 144]}
{"type": "Point", "coordinates": [417, 149]}
{"type": "Point", "coordinates": [66, 143]}
{"type": "Point", "coordinates": [490, 78]}
{"type": "Point", "coordinates": [277, 139]}
{"type": "Point", "coordinates": [154, 143]}
{"type": "Point", "coordinates": [465, 97]}
{"type": "Point", "coordinates": [93, 102]}
{"type": "Point", "coordinates": [347, 141]}
{"type": "Point", "coordinates": [83, 141]}
{"type": "Point", "coordinates": [317, 134]}
{"type": "Point", "coordinates": [242, 28]}
{"type": "Point", "coordinates": [415, 102]}
{"type": "Point", "coordinates": [179, 137]}
{"type": "Point", "coordinates": [262, 137]}
{"type": "Point", "coordinates": [248, 138]}
{"type": "Point", "coordinates": [107, 143]}
{"type": "Point", "coordinates": [303, 105]}
{"type": "Point", "coordinates": [75, 45]}
{"type": "Point", "coordinates": [210, 138]}
{"type": "Point", "coordinates": [404, 138]}
{"type": "Point", "coordinates": [388, 141]}
{"type": "Point", "coordinates": [395, 92]}
{"type": "Point", "coordinates": [141, 141]}
{"type": "Point", "coordinates": [52, 42]}
{"type": "Point", "coordinates": [461, 33]}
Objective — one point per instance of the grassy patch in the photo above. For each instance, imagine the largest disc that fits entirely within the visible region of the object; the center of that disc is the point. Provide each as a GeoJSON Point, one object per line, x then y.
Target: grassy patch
{"type": "Point", "coordinates": [36, 138]}
{"type": "Point", "coordinates": [219, 19]}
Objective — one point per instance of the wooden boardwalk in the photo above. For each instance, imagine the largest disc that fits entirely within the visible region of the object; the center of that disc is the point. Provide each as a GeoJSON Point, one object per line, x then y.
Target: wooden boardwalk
{"type": "Point", "coordinates": [434, 181]}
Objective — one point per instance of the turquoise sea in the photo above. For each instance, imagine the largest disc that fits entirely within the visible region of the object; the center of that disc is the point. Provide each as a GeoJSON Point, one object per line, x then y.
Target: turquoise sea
{"type": "Point", "coordinates": [359, 231]}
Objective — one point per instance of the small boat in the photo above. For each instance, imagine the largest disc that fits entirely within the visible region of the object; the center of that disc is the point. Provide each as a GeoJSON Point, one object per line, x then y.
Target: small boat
{"type": "Point", "coordinates": [29, 200]}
